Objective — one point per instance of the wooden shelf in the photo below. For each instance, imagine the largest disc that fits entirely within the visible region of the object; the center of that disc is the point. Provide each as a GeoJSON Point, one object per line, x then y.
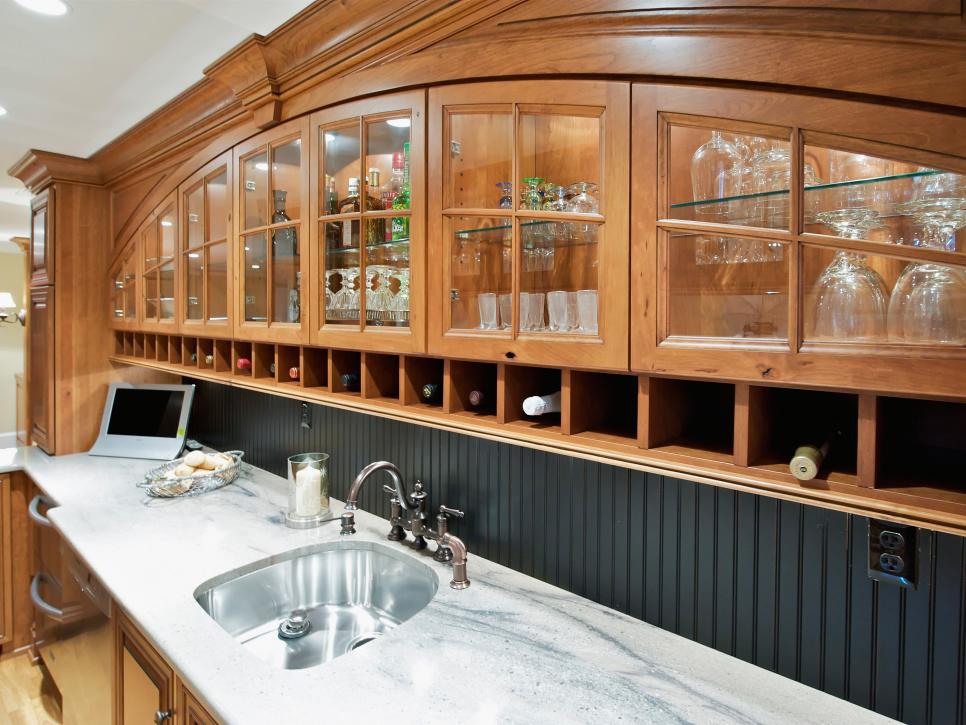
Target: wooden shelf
{"type": "Point", "coordinates": [738, 436]}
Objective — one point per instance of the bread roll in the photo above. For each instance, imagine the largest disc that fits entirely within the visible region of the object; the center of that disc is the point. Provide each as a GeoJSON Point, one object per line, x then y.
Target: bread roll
{"type": "Point", "coordinates": [184, 470]}
{"type": "Point", "coordinates": [195, 459]}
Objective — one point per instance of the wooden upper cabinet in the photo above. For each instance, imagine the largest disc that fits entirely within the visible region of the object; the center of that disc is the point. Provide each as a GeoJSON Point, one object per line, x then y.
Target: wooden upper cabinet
{"type": "Point", "coordinates": [124, 292]}
{"type": "Point", "coordinates": [42, 239]}
{"type": "Point", "coordinates": [271, 225]}
{"type": "Point", "coordinates": [368, 288]}
{"type": "Point", "coordinates": [528, 222]}
{"type": "Point", "coordinates": [206, 281]}
{"type": "Point", "coordinates": [792, 240]}
{"type": "Point", "coordinates": [159, 265]}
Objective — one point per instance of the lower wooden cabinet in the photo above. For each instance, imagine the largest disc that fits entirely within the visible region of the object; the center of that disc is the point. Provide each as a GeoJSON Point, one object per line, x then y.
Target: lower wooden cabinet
{"type": "Point", "coordinates": [6, 559]}
{"type": "Point", "coordinates": [146, 688]}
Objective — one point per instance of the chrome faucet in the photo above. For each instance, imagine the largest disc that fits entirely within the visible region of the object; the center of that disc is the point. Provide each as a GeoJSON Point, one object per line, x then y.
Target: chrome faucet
{"type": "Point", "coordinates": [408, 513]}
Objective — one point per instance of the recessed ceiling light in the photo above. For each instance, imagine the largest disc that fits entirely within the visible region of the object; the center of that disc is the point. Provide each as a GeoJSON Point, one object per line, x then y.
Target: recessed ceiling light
{"type": "Point", "coordinates": [3, 111]}
{"type": "Point", "coordinates": [399, 122]}
{"type": "Point", "coordinates": [45, 7]}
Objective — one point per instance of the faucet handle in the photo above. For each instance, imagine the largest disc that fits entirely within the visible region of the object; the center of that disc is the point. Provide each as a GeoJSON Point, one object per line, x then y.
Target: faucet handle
{"type": "Point", "coordinates": [446, 510]}
{"type": "Point", "coordinates": [389, 489]}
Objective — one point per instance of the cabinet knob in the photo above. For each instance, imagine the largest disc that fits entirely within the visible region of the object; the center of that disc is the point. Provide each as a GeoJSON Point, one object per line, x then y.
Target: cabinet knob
{"type": "Point", "coordinates": [161, 715]}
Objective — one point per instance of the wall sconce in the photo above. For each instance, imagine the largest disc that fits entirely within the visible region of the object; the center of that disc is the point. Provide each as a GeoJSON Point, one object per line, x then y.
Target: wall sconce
{"type": "Point", "coordinates": [7, 304]}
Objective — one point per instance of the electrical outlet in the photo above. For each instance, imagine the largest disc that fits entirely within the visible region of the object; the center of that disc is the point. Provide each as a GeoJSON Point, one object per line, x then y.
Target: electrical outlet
{"type": "Point", "coordinates": [892, 553]}
{"type": "Point", "coordinates": [306, 416]}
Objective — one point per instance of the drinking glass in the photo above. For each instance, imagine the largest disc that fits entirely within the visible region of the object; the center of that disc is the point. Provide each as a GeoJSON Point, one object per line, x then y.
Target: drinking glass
{"type": "Point", "coordinates": [524, 311]}
{"type": "Point", "coordinates": [506, 194]}
{"type": "Point", "coordinates": [506, 310]}
{"type": "Point", "coordinates": [535, 309]}
{"type": "Point", "coordinates": [715, 174]}
{"type": "Point", "coordinates": [531, 197]}
{"type": "Point", "coordinates": [850, 298]}
{"type": "Point", "coordinates": [587, 311]}
{"type": "Point", "coordinates": [928, 303]}
{"type": "Point", "coordinates": [557, 311]}
{"type": "Point", "coordinates": [488, 311]}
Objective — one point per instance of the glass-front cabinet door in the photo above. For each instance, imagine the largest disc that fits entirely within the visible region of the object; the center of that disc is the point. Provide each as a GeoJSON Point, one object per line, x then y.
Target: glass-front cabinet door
{"type": "Point", "coordinates": [784, 240]}
{"type": "Point", "coordinates": [368, 236]}
{"type": "Point", "coordinates": [528, 222]}
{"type": "Point", "coordinates": [206, 254]}
{"type": "Point", "coordinates": [123, 286]}
{"type": "Point", "coordinates": [159, 262]}
{"type": "Point", "coordinates": [272, 202]}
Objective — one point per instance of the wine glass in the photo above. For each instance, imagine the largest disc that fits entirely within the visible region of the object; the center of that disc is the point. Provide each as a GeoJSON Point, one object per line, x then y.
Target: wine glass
{"type": "Point", "coordinates": [506, 194]}
{"type": "Point", "coordinates": [850, 298]}
{"type": "Point", "coordinates": [715, 174]}
{"type": "Point", "coordinates": [928, 303]}
{"type": "Point", "coordinates": [854, 172]}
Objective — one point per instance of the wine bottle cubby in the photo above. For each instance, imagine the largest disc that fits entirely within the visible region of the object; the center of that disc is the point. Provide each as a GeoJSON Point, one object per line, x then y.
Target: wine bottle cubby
{"type": "Point", "coordinates": [900, 458]}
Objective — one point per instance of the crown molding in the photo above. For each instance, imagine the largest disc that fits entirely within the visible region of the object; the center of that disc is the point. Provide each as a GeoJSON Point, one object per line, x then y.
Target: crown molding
{"type": "Point", "coordinates": [38, 169]}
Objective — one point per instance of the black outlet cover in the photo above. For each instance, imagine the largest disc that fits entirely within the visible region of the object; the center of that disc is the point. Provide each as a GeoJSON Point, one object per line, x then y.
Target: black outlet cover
{"type": "Point", "coordinates": [893, 553]}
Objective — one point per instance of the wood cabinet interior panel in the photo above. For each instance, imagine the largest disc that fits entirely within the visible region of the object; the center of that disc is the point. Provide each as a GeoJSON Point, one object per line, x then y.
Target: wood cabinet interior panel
{"type": "Point", "coordinates": [380, 376]}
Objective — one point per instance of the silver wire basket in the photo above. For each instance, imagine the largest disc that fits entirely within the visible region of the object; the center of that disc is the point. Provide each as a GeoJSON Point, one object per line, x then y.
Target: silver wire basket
{"type": "Point", "coordinates": [159, 484]}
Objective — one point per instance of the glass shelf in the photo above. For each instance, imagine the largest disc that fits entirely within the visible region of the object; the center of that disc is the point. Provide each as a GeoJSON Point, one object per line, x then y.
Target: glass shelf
{"type": "Point", "coordinates": [470, 234]}
{"type": "Point", "coordinates": [398, 243]}
{"type": "Point", "coordinates": [812, 188]}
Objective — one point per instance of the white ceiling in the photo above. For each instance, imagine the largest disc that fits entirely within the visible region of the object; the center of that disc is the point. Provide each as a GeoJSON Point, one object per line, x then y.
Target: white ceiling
{"type": "Point", "coordinates": [73, 83]}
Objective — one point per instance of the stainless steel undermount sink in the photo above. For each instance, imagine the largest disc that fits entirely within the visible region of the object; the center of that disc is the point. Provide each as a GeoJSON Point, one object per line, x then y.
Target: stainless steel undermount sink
{"type": "Point", "coordinates": [316, 603]}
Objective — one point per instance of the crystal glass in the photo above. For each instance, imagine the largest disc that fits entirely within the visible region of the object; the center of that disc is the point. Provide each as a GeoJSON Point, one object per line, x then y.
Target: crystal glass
{"type": "Point", "coordinates": [308, 490]}
{"type": "Point", "coordinates": [582, 198]}
{"type": "Point", "coordinates": [845, 167]}
{"type": "Point", "coordinates": [506, 194]}
{"type": "Point", "coordinates": [480, 262]}
{"type": "Point", "coordinates": [506, 311]}
{"type": "Point", "coordinates": [771, 169]}
{"type": "Point", "coordinates": [715, 174]}
{"type": "Point", "coordinates": [488, 311]}
{"type": "Point", "coordinates": [524, 311]}
{"type": "Point", "coordinates": [850, 299]}
{"type": "Point", "coordinates": [928, 303]}
{"type": "Point", "coordinates": [532, 197]}
{"type": "Point", "coordinates": [557, 311]}
{"type": "Point", "coordinates": [587, 311]}
{"type": "Point", "coordinates": [535, 312]}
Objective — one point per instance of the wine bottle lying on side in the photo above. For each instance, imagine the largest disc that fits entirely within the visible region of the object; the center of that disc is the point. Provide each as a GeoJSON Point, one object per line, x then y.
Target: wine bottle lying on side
{"type": "Point", "coordinates": [542, 404]}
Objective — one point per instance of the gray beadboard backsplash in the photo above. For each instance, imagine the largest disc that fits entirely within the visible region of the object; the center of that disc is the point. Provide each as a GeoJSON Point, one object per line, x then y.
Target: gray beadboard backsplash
{"type": "Point", "coordinates": [779, 584]}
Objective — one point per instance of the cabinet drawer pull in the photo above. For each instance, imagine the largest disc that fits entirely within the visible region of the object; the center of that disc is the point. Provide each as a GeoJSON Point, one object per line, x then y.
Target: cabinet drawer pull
{"type": "Point", "coordinates": [34, 510]}
{"type": "Point", "coordinates": [49, 609]}
{"type": "Point", "coordinates": [161, 715]}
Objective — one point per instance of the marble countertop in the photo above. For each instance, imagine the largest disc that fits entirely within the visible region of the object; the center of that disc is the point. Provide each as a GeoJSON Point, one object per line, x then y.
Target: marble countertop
{"type": "Point", "coordinates": [510, 649]}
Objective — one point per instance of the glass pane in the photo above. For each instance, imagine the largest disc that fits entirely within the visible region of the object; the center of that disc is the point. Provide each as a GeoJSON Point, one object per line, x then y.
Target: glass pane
{"type": "Point", "coordinates": [256, 280]}
{"type": "Point", "coordinates": [117, 297]}
{"type": "Point", "coordinates": [287, 181]}
{"type": "Point", "coordinates": [387, 282]}
{"type": "Point", "coordinates": [558, 277]}
{"type": "Point", "coordinates": [387, 162]}
{"type": "Point", "coordinates": [286, 277]}
{"type": "Point", "coordinates": [340, 295]}
{"type": "Point", "coordinates": [151, 295]}
{"type": "Point", "coordinates": [340, 168]}
{"type": "Point", "coordinates": [218, 204]}
{"type": "Point", "coordinates": [255, 186]}
{"type": "Point", "coordinates": [729, 178]}
{"type": "Point", "coordinates": [559, 163]}
{"type": "Point", "coordinates": [851, 297]}
{"type": "Point", "coordinates": [194, 303]}
{"type": "Point", "coordinates": [149, 239]}
{"type": "Point", "coordinates": [480, 160]}
{"type": "Point", "coordinates": [167, 233]}
{"type": "Point", "coordinates": [727, 287]}
{"type": "Point", "coordinates": [481, 273]}
{"type": "Point", "coordinates": [166, 289]}
{"type": "Point", "coordinates": [218, 282]}
{"type": "Point", "coordinates": [130, 291]}
{"type": "Point", "coordinates": [868, 197]}
{"type": "Point", "coordinates": [195, 203]}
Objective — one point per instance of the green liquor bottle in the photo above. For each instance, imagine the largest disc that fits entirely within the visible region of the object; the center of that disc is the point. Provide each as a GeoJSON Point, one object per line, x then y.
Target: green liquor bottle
{"type": "Point", "coordinates": [400, 225]}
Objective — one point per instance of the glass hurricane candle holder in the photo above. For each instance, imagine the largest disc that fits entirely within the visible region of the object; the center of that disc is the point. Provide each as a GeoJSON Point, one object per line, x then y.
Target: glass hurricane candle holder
{"type": "Point", "coordinates": [308, 490]}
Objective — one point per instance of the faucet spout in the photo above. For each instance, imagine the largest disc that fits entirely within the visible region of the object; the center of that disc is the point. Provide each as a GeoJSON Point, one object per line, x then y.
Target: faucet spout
{"type": "Point", "coordinates": [460, 580]}
{"type": "Point", "coordinates": [352, 500]}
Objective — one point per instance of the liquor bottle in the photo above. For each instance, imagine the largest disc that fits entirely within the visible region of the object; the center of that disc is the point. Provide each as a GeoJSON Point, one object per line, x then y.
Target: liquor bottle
{"type": "Point", "coordinates": [542, 404]}
{"type": "Point", "coordinates": [331, 198]}
{"type": "Point", "coordinates": [285, 241]}
{"type": "Point", "coordinates": [432, 392]}
{"type": "Point", "coordinates": [394, 187]}
{"type": "Point", "coordinates": [375, 228]}
{"type": "Point", "coordinates": [293, 373]}
{"type": "Point", "coordinates": [476, 398]}
{"type": "Point", "coordinates": [350, 381]}
{"type": "Point", "coordinates": [349, 204]}
{"type": "Point", "coordinates": [243, 363]}
{"type": "Point", "coordinates": [399, 226]}
{"type": "Point", "coordinates": [808, 459]}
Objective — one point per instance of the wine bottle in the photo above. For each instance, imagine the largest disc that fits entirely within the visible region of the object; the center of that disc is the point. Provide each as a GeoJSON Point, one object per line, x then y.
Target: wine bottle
{"type": "Point", "coordinates": [271, 368]}
{"type": "Point", "coordinates": [350, 381]}
{"type": "Point", "coordinates": [542, 404]}
{"type": "Point", "coordinates": [243, 363]}
{"type": "Point", "coordinates": [476, 398]}
{"type": "Point", "coordinates": [194, 357]}
{"type": "Point", "coordinates": [209, 360]}
{"type": "Point", "coordinates": [293, 373]}
{"type": "Point", "coordinates": [808, 459]}
{"type": "Point", "coordinates": [432, 392]}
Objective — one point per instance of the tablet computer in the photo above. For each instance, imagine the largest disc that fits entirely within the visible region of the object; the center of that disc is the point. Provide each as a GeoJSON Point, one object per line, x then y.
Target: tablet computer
{"type": "Point", "coordinates": [144, 421]}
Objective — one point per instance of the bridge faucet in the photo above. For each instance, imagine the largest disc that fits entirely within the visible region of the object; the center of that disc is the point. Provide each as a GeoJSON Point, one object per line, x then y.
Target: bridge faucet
{"type": "Point", "coordinates": [352, 501]}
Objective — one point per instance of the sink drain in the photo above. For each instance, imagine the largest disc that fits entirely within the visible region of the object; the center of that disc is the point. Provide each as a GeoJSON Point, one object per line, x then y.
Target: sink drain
{"type": "Point", "coordinates": [297, 625]}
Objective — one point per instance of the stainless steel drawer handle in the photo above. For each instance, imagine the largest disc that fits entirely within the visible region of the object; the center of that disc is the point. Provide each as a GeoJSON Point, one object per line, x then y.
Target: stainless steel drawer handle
{"type": "Point", "coordinates": [34, 510]}
{"type": "Point", "coordinates": [49, 609]}
{"type": "Point", "coordinates": [161, 715]}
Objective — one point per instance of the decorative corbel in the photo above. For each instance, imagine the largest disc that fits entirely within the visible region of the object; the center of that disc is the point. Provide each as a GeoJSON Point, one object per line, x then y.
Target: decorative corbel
{"type": "Point", "coordinates": [249, 72]}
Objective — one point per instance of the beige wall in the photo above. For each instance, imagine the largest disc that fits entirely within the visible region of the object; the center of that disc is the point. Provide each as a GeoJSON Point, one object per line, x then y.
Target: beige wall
{"type": "Point", "coordinates": [11, 342]}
